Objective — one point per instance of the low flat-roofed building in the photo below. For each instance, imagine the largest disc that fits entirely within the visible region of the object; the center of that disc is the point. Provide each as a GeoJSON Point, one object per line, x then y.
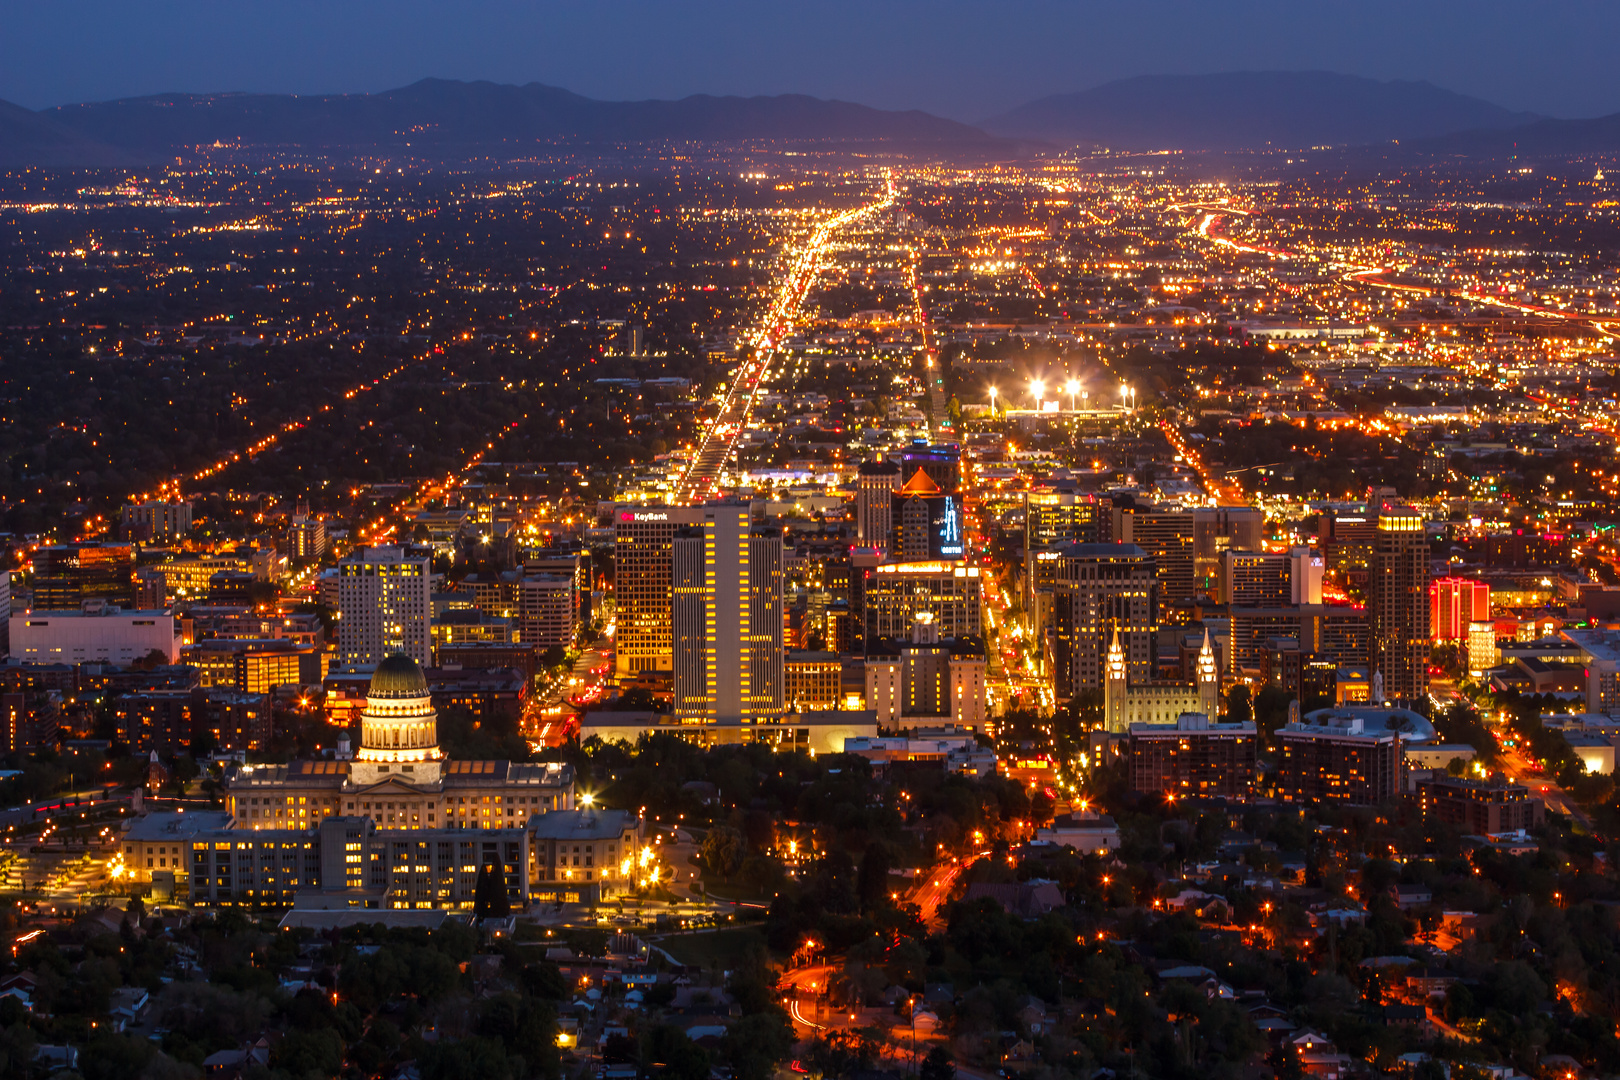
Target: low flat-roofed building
{"type": "Point", "coordinates": [593, 852]}
{"type": "Point", "coordinates": [1600, 656]}
{"type": "Point", "coordinates": [958, 752]}
{"type": "Point", "coordinates": [1086, 832]}
{"type": "Point", "coordinates": [1479, 806]}
{"type": "Point", "coordinates": [815, 732]}
{"type": "Point", "coordinates": [1548, 676]}
{"type": "Point", "coordinates": [1437, 755]}
{"type": "Point", "coordinates": [98, 633]}
{"type": "Point", "coordinates": [485, 694]}
{"type": "Point", "coordinates": [350, 858]}
{"type": "Point", "coordinates": [369, 913]}
{"type": "Point", "coordinates": [1595, 751]}
{"type": "Point", "coordinates": [161, 843]}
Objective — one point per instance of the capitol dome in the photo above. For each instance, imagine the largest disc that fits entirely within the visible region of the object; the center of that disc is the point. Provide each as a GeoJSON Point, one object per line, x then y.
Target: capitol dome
{"type": "Point", "coordinates": [399, 723]}
{"type": "Point", "coordinates": [398, 676]}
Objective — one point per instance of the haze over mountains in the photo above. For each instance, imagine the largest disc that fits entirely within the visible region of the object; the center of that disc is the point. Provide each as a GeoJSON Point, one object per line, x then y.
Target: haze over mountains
{"type": "Point", "coordinates": [1249, 110]}
{"type": "Point", "coordinates": [450, 119]}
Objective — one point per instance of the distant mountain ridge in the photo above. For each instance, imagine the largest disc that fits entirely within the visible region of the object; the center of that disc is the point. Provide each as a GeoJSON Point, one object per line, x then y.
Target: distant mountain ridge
{"type": "Point", "coordinates": [445, 118]}
{"type": "Point", "coordinates": [437, 114]}
{"type": "Point", "coordinates": [1248, 110]}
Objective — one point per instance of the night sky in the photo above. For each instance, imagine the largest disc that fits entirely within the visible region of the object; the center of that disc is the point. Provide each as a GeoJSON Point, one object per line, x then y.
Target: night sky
{"type": "Point", "coordinates": [961, 59]}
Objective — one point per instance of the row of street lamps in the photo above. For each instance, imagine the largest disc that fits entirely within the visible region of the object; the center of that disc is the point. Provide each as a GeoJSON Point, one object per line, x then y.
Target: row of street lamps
{"type": "Point", "coordinates": [1037, 390]}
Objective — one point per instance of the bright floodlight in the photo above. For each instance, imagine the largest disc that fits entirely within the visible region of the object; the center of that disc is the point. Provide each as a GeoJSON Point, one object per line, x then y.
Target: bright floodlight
{"type": "Point", "coordinates": [1074, 387]}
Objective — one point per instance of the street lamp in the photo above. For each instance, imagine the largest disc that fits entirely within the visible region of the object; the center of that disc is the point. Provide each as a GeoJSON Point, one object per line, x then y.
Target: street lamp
{"type": "Point", "coordinates": [993, 401]}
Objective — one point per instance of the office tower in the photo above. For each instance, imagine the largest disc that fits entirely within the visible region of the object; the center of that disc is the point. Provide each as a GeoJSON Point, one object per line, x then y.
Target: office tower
{"type": "Point", "coordinates": [155, 521]}
{"type": "Point", "coordinates": [1052, 517]}
{"type": "Point", "coordinates": [1454, 603]}
{"type": "Point", "coordinates": [1165, 534]}
{"type": "Point", "coordinates": [1219, 529]}
{"type": "Point", "coordinates": [726, 617]}
{"type": "Point", "coordinates": [1346, 539]}
{"type": "Point", "coordinates": [927, 680]}
{"type": "Point", "coordinates": [1338, 760]}
{"type": "Point", "coordinates": [1056, 517]}
{"type": "Point", "coordinates": [1398, 603]}
{"type": "Point", "coordinates": [1336, 633]}
{"type": "Point", "coordinates": [813, 681]}
{"type": "Point", "coordinates": [925, 521]}
{"type": "Point", "coordinates": [66, 575]}
{"type": "Point", "coordinates": [875, 485]}
{"type": "Point", "coordinates": [5, 614]}
{"type": "Point", "coordinates": [942, 464]}
{"type": "Point", "coordinates": [385, 605]}
{"type": "Point", "coordinates": [948, 589]}
{"type": "Point", "coordinates": [1282, 665]}
{"type": "Point", "coordinates": [642, 543]}
{"type": "Point", "coordinates": [1100, 592]}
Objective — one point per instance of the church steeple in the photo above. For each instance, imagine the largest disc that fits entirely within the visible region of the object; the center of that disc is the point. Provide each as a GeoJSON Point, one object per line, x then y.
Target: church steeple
{"type": "Point", "coordinates": [1209, 680]}
{"type": "Point", "coordinates": [1116, 685]}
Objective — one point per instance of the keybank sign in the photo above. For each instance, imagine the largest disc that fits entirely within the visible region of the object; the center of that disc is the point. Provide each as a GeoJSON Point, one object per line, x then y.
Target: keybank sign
{"type": "Point", "coordinates": [644, 516]}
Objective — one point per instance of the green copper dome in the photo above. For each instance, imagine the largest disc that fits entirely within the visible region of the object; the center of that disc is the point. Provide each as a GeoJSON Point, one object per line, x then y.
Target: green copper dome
{"type": "Point", "coordinates": [398, 676]}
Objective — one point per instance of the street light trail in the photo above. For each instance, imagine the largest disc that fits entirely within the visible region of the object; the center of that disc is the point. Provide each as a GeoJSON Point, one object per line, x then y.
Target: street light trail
{"type": "Point", "coordinates": [701, 481]}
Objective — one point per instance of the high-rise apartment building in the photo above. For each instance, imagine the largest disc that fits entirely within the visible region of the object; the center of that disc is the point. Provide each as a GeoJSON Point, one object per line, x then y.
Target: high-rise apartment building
{"type": "Point", "coordinates": [548, 610]}
{"type": "Point", "coordinates": [726, 617]}
{"type": "Point", "coordinates": [643, 539]}
{"type": "Point", "coordinates": [1337, 760]}
{"type": "Point", "coordinates": [1269, 578]}
{"type": "Point", "coordinates": [875, 485]}
{"type": "Point", "coordinates": [1398, 603]}
{"type": "Point", "coordinates": [1254, 578]}
{"type": "Point", "coordinates": [306, 537]}
{"type": "Point", "coordinates": [1100, 590]}
{"type": "Point", "coordinates": [385, 605]}
{"type": "Point", "coordinates": [1454, 603]}
{"type": "Point", "coordinates": [1193, 756]}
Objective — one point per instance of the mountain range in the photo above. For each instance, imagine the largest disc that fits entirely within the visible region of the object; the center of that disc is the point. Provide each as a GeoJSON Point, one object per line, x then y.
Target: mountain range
{"type": "Point", "coordinates": [449, 119]}
{"type": "Point", "coordinates": [440, 116]}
